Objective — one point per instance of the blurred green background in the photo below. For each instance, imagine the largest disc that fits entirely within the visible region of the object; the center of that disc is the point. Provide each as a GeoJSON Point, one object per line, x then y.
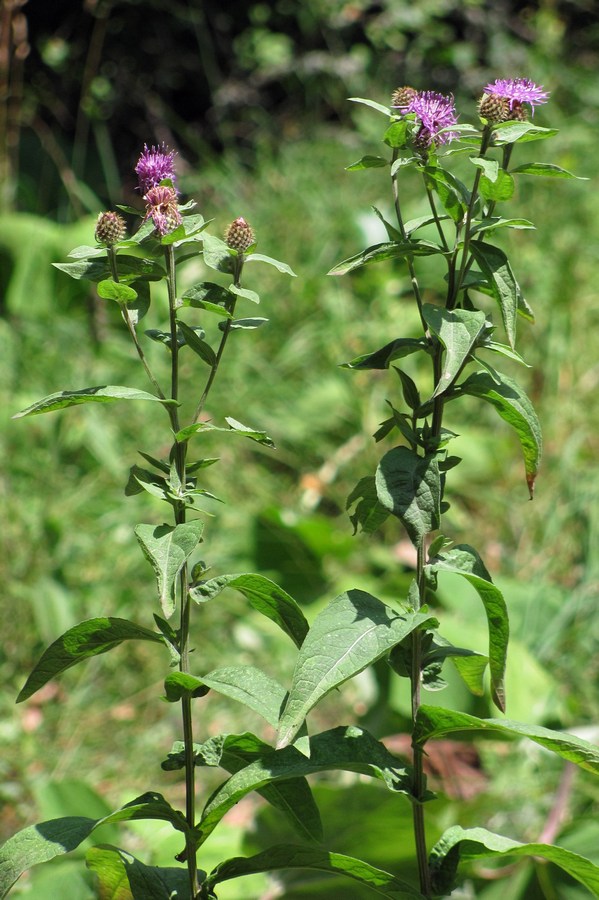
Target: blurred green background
{"type": "Point", "coordinates": [253, 96]}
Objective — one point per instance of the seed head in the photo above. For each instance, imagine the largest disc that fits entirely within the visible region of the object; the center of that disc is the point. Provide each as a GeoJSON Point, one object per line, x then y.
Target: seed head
{"type": "Point", "coordinates": [402, 97]}
{"type": "Point", "coordinates": [110, 229]}
{"type": "Point", "coordinates": [239, 235]}
{"type": "Point", "coordinates": [162, 208]}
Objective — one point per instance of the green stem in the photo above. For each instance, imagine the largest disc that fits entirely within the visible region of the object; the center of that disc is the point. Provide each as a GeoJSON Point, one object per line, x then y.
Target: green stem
{"type": "Point", "coordinates": [230, 307]}
{"type": "Point", "coordinates": [131, 327]}
{"type": "Point", "coordinates": [185, 601]}
{"type": "Point", "coordinates": [404, 236]}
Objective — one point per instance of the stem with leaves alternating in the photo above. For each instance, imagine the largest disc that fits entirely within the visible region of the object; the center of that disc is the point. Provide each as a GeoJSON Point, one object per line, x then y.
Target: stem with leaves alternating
{"type": "Point", "coordinates": [185, 601]}
{"type": "Point", "coordinates": [404, 236]}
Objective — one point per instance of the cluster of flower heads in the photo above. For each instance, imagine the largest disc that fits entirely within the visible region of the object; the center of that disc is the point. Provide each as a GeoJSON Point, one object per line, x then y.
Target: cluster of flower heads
{"type": "Point", "coordinates": [155, 165]}
{"type": "Point", "coordinates": [502, 100]}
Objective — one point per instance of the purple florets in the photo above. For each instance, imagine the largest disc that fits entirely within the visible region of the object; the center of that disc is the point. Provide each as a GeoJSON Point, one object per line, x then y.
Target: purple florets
{"type": "Point", "coordinates": [162, 208]}
{"type": "Point", "coordinates": [435, 112]}
{"type": "Point", "coordinates": [154, 165]}
{"type": "Point", "coordinates": [517, 91]}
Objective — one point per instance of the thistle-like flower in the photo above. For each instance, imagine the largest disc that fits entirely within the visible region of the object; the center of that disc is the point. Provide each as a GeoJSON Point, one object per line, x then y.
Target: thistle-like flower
{"type": "Point", "coordinates": [435, 112]}
{"type": "Point", "coordinates": [153, 166]}
{"type": "Point", "coordinates": [110, 228]}
{"type": "Point", "coordinates": [162, 208]}
{"type": "Point", "coordinates": [517, 91]}
{"type": "Point", "coordinates": [239, 235]}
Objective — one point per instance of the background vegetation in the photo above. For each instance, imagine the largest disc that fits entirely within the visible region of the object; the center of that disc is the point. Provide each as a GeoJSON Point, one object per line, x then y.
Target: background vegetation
{"type": "Point", "coordinates": [253, 97]}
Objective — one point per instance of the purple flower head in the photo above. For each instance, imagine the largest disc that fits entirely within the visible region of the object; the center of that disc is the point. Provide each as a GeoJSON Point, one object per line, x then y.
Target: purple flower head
{"type": "Point", "coordinates": [435, 111]}
{"type": "Point", "coordinates": [518, 91]}
{"type": "Point", "coordinates": [162, 208]}
{"type": "Point", "coordinates": [154, 164]}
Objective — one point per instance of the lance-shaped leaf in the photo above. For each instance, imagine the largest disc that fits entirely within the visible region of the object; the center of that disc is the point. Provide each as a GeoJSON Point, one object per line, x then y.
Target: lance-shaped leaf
{"type": "Point", "coordinates": [521, 133]}
{"type": "Point", "coordinates": [121, 876]}
{"type": "Point", "coordinates": [114, 290]}
{"type": "Point", "coordinates": [381, 252]}
{"type": "Point", "coordinates": [500, 188]}
{"type": "Point", "coordinates": [458, 331]}
{"type": "Point", "coordinates": [382, 359]}
{"type": "Point", "coordinates": [367, 162]}
{"type": "Point", "coordinates": [502, 284]}
{"type": "Point", "coordinates": [348, 749]}
{"type": "Point", "coordinates": [235, 752]}
{"type": "Point", "coordinates": [373, 105]}
{"type": "Point", "coordinates": [464, 560]}
{"type": "Point", "coordinates": [466, 844]}
{"type": "Point", "coordinates": [195, 342]}
{"type": "Point", "coordinates": [280, 266]}
{"type": "Point", "coordinates": [46, 840]}
{"type": "Point", "coordinates": [450, 191]}
{"type": "Point", "coordinates": [130, 268]}
{"type": "Point", "coordinates": [291, 856]}
{"type": "Point", "coordinates": [409, 486]}
{"type": "Point", "coordinates": [235, 427]}
{"type": "Point", "coordinates": [351, 633]}
{"type": "Point", "coordinates": [87, 639]}
{"type": "Point", "coordinates": [547, 170]}
{"type": "Point", "coordinates": [104, 393]}
{"type": "Point", "coordinates": [515, 408]}
{"type": "Point", "coordinates": [167, 548]}
{"type": "Point", "coordinates": [216, 253]}
{"type": "Point", "coordinates": [250, 686]}
{"type": "Point", "coordinates": [434, 722]}
{"type": "Point", "coordinates": [369, 513]}
{"type": "Point", "coordinates": [264, 596]}
{"type": "Point", "coordinates": [244, 293]}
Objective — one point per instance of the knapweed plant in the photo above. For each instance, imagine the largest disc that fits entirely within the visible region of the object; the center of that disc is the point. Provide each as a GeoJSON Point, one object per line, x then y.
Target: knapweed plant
{"type": "Point", "coordinates": [452, 356]}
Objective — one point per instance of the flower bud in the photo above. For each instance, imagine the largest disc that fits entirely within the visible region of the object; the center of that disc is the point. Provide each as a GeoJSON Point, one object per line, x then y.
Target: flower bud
{"type": "Point", "coordinates": [239, 235]}
{"type": "Point", "coordinates": [402, 97]}
{"type": "Point", "coordinates": [110, 229]}
{"type": "Point", "coordinates": [494, 108]}
{"type": "Point", "coordinates": [518, 112]}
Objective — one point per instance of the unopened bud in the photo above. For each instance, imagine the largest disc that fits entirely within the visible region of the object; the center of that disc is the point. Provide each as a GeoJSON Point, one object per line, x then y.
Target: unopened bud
{"type": "Point", "coordinates": [402, 97]}
{"type": "Point", "coordinates": [494, 108]}
{"type": "Point", "coordinates": [110, 229]}
{"type": "Point", "coordinates": [518, 112]}
{"type": "Point", "coordinates": [239, 235]}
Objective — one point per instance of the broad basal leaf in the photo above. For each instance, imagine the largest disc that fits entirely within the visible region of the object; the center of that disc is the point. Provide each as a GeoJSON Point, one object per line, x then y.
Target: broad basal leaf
{"type": "Point", "coordinates": [464, 560]}
{"type": "Point", "coordinates": [434, 722]}
{"type": "Point", "coordinates": [105, 393]}
{"type": "Point", "coordinates": [460, 844]}
{"type": "Point", "coordinates": [264, 596]}
{"type": "Point", "coordinates": [409, 486]}
{"type": "Point", "coordinates": [515, 408]}
{"type": "Point", "coordinates": [83, 641]}
{"type": "Point", "coordinates": [167, 548]}
{"type": "Point", "coordinates": [352, 632]}
{"type": "Point", "coordinates": [458, 331]}
{"type": "Point", "coordinates": [290, 856]}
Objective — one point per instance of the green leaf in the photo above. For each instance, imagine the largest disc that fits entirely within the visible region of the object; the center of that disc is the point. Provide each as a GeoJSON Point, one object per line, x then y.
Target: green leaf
{"type": "Point", "coordinates": [247, 324]}
{"type": "Point", "coordinates": [82, 641]}
{"type": "Point", "coordinates": [181, 684]}
{"type": "Point", "coordinates": [264, 596]}
{"type": "Point", "coordinates": [515, 408]}
{"type": "Point", "coordinates": [209, 296]}
{"type": "Point", "coordinates": [414, 224]}
{"type": "Point", "coordinates": [351, 633]}
{"type": "Point", "coordinates": [250, 686]}
{"type": "Point", "coordinates": [521, 133]}
{"type": "Point", "coordinates": [396, 134]}
{"type": "Point", "coordinates": [130, 268]}
{"type": "Point", "coordinates": [389, 250]}
{"type": "Point", "coordinates": [458, 331]}
{"type": "Point", "coordinates": [448, 189]}
{"type": "Point", "coordinates": [493, 222]}
{"type": "Point", "coordinates": [195, 343]}
{"type": "Point", "coordinates": [235, 427]}
{"type": "Point", "coordinates": [464, 560]}
{"type": "Point", "coordinates": [502, 188]}
{"type": "Point", "coordinates": [369, 513]}
{"type": "Point", "coordinates": [372, 104]}
{"type": "Point", "coordinates": [409, 486]}
{"type": "Point", "coordinates": [167, 548]}
{"type": "Point", "coordinates": [489, 167]}
{"type": "Point", "coordinates": [546, 170]}
{"type": "Point", "coordinates": [143, 480]}
{"type": "Point", "coordinates": [244, 293]}
{"type": "Point", "coordinates": [291, 856]}
{"type": "Point", "coordinates": [114, 290]}
{"type": "Point", "coordinates": [505, 289]}
{"type": "Point", "coordinates": [367, 162]}
{"type": "Point", "coordinates": [466, 844]}
{"type": "Point", "coordinates": [46, 840]}
{"type": "Point", "coordinates": [434, 722]}
{"type": "Point", "coordinates": [280, 266]}
{"type": "Point", "coordinates": [104, 393]}
{"type": "Point", "coordinates": [382, 359]}
{"type": "Point", "coordinates": [348, 749]}
{"type": "Point", "coordinates": [123, 877]}
{"type": "Point", "coordinates": [85, 252]}
{"type": "Point", "coordinates": [216, 254]}
{"type": "Point", "coordinates": [470, 665]}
